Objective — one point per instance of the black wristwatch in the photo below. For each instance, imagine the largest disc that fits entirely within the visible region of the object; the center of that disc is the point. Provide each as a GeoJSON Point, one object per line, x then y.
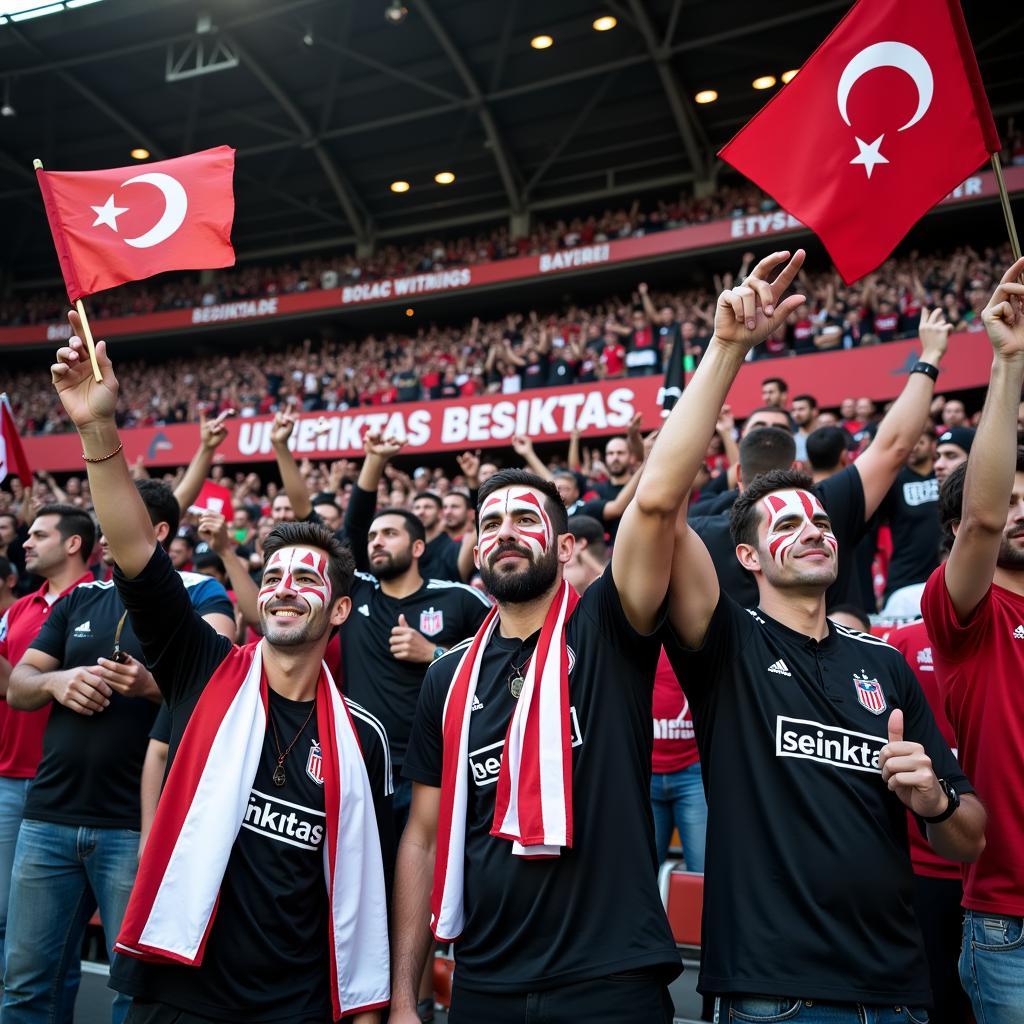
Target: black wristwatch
{"type": "Point", "coordinates": [954, 802]}
{"type": "Point", "coordinates": [927, 369]}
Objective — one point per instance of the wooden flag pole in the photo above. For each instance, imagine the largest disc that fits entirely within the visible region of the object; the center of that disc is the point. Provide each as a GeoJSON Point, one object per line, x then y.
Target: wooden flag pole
{"type": "Point", "coordinates": [1004, 199]}
{"type": "Point", "coordinates": [86, 329]}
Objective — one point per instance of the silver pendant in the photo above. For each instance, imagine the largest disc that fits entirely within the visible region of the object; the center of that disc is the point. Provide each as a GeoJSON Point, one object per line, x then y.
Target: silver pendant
{"type": "Point", "coordinates": [515, 686]}
{"type": "Point", "coordinates": [279, 775]}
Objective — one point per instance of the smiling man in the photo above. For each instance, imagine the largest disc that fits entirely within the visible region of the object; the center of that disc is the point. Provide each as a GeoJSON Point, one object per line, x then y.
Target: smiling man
{"type": "Point", "coordinates": [813, 740]}
{"type": "Point", "coordinates": [260, 895]}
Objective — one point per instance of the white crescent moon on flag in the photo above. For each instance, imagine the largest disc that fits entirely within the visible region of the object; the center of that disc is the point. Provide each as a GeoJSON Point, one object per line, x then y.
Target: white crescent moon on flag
{"type": "Point", "coordinates": [889, 55]}
{"type": "Point", "coordinates": [175, 208]}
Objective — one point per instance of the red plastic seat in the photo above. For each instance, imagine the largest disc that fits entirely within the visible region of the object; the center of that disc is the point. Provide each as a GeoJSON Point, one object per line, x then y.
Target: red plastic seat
{"type": "Point", "coordinates": [683, 895]}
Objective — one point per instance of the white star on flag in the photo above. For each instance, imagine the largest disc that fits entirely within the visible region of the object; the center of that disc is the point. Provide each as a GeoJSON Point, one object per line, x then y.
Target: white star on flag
{"type": "Point", "coordinates": [869, 154]}
{"type": "Point", "coordinates": [108, 213]}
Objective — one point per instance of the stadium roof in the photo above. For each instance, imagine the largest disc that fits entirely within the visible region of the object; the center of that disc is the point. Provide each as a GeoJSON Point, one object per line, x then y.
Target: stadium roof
{"type": "Point", "coordinates": [329, 101]}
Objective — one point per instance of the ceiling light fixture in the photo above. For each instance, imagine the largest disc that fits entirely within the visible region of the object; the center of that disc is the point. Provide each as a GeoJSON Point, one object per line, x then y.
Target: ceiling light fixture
{"type": "Point", "coordinates": [7, 110]}
{"type": "Point", "coordinates": [541, 42]}
{"type": "Point", "coordinates": [410, 312]}
{"type": "Point", "coordinates": [788, 76]}
{"type": "Point", "coordinates": [399, 186]}
{"type": "Point", "coordinates": [396, 12]}
{"type": "Point", "coordinates": [37, 12]}
{"type": "Point", "coordinates": [764, 82]}
{"type": "Point", "coordinates": [139, 153]}
{"type": "Point", "coordinates": [706, 96]}
{"type": "Point", "coordinates": [444, 177]}
{"type": "Point", "coordinates": [605, 23]}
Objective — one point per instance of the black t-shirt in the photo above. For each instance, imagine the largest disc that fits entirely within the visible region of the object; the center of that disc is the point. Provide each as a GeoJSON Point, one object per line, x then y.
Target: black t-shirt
{"type": "Point", "coordinates": [407, 385]}
{"type": "Point", "coordinates": [440, 559]}
{"type": "Point", "coordinates": [809, 890]}
{"type": "Point", "coordinates": [562, 370]}
{"type": "Point", "coordinates": [912, 509]}
{"type": "Point", "coordinates": [594, 910]}
{"type": "Point", "coordinates": [266, 957]}
{"type": "Point", "coordinates": [92, 764]}
{"type": "Point", "coordinates": [710, 492]}
{"type": "Point", "coordinates": [607, 490]}
{"type": "Point", "coordinates": [445, 613]}
{"type": "Point", "coordinates": [713, 504]}
{"type": "Point", "coordinates": [843, 498]}
{"type": "Point", "coordinates": [535, 372]}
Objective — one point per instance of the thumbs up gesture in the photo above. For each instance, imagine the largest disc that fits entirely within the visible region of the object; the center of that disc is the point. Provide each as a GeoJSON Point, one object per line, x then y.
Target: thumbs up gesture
{"type": "Point", "coordinates": [408, 644]}
{"type": "Point", "coordinates": [907, 771]}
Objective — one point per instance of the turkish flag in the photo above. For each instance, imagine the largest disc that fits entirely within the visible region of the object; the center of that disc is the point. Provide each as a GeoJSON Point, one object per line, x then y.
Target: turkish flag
{"type": "Point", "coordinates": [128, 223]}
{"type": "Point", "coordinates": [214, 498]}
{"type": "Point", "coordinates": [886, 117]}
{"type": "Point", "coordinates": [12, 454]}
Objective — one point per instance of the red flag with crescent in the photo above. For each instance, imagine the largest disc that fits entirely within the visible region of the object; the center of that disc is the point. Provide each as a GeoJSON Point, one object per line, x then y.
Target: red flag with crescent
{"type": "Point", "coordinates": [884, 119]}
{"type": "Point", "coordinates": [128, 223]}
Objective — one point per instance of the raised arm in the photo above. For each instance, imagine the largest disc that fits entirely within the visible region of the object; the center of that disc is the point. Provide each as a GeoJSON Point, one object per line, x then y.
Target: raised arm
{"type": "Point", "coordinates": [211, 434]}
{"type": "Point", "coordinates": [90, 405]}
{"type": "Point", "coordinates": [645, 297]}
{"type": "Point", "coordinates": [746, 315]}
{"type": "Point", "coordinates": [362, 504]}
{"type": "Point", "coordinates": [524, 449]}
{"type": "Point", "coordinates": [213, 528]}
{"type": "Point", "coordinates": [993, 463]}
{"type": "Point", "coordinates": [901, 428]}
{"type": "Point", "coordinates": [291, 476]}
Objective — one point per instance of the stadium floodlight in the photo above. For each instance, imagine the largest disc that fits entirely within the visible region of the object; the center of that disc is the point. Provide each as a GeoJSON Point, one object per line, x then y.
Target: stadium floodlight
{"type": "Point", "coordinates": [7, 110]}
{"type": "Point", "coordinates": [396, 12]}
{"type": "Point", "coordinates": [37, 12]}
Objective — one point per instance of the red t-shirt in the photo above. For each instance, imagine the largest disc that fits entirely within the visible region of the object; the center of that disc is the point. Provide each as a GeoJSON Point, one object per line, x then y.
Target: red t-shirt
{"type": "Point", "coordinates": [979, 667]}
{"type": "Point", "coordinates": [674, 745]}
{"type": "Point", "coordinates": [913, 643]}
{"type": "Point", "coordinates": [21, 732]}
{"type": "Point", "coordinates": [613, 358]}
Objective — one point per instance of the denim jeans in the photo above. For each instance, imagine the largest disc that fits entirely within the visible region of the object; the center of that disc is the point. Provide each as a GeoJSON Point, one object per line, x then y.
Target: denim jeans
{"type": "Point", "coordinates": [61, 874]}
{"type": "Point", "coordinates": [780, 1010]}
{"type": "Point", "coordinates": [992, 967]}
{"type": "Point", "coordinates": [12, 803]}
{"type": "Point", "coordinates": [677, 799]}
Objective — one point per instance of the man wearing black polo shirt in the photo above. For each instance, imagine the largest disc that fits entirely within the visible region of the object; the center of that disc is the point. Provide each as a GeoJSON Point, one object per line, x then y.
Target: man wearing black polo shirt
{"type": "Point", "coordinates": [261, 892]}
{"type": "Point", "coordinates": [813, 740]}
{"type": "Point", "coordinates": [531, 762]}
{"type": "Point", "coordinates": [400, 623]}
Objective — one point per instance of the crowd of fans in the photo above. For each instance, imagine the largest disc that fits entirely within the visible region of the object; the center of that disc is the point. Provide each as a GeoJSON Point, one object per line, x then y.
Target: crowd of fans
{"type": "Point", "coordinates": [618, 337]}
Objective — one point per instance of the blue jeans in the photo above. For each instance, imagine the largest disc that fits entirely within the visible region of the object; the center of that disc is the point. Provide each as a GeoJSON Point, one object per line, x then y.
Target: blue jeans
{"type": "Point", "coordinates": [992, 967]}
{"type": "Point", "coordinates": [12, 803]}
{"type": "Point", "coordinates": [780, 1010]}
{"type": "Point", "coordinates": [677, 799]}
{"type": "Point", "coordinates": [61, 874]}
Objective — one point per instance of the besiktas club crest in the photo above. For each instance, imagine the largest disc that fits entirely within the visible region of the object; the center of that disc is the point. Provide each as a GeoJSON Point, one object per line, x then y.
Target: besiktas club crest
{"type": "Point", "coordinates": [869, 693]}
{"type": "Point", "coordinates": [315, 763]}
{"type": "Point", "coordinates": [431, 621]}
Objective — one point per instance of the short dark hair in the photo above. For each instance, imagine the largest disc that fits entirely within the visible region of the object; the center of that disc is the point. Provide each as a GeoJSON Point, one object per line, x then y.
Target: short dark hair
{"type": "Point", "coordinates": [592, 531]}
{"type": "Point", "coordinates": [432, 495]}
{"type": "Point", "coordinates": [809, 399]}
{"type": "Point", "coordinates": [326, 499]}
{"type": "Point", "coordinates": [775, 409]}
{"type": "Point", "coordinates": [456, 493]}
{"type": "Point", "coordinates": [341, 565]}
{"type": "Point", "coordinates": [162, 506]}
{"type": "Point", "coordinates": [825, 447]}
{"type": "Point", "coordinates": [413, 524]}
{"type": "Point", "coordinates": [743, 518]}
{"type": "Point", "coordinates": [851, 609]}
{"type": "Point", "coordinates": [783, 386]}
{"type": "Point", "coordinates": [524, 478]}
{"type": "Point", "coordinates": [183, 537]}
{"type": "Point", "coordinates": [7, 568]}
{"type": "Point", "coordinates": [766, 448]}
{"type": "Point", "coordinates": [11, 516]}
{"type": "Point", "coordinates": [72, 522]}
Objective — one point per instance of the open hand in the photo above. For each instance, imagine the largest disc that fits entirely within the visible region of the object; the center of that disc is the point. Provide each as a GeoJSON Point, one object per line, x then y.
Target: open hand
{"type": "Point", "coordinates": [1004, 315]}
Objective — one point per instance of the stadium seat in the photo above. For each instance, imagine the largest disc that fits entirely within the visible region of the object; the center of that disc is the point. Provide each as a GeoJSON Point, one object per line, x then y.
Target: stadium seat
{"type": "Point", "coordinates": [682, 892]}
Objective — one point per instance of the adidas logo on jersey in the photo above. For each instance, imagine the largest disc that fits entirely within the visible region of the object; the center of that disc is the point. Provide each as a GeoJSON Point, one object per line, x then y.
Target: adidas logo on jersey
{"type": "Point", "coordinates": [364, 609]}
{"type": "Point", "coordinates": [1018, 633]}
{"type": "Point", "coordinates": [477, 706]}
{"type": "Point", "coordinates": [83, 629]}
{"type": "Point", "coordinates": [779, 668]}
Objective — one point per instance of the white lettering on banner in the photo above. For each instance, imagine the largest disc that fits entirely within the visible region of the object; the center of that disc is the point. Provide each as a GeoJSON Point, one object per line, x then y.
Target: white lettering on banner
{"type": "Point", "coordinates": [581, 257]}
{"type": "Point", "coordinates": [58, 332]}
{"type": "Point", "coordinates": [234, 311]}
{"type": "Point", "coordinates": [971, 187]}
{"type": "Point", "coordinates": [344, 431]}
{"type": "Point", "coordinates": [536, 417]}
{"type": "Point", "coordinates": [762, 224]}
{"type": "Point", "coordinates": [399, 287]}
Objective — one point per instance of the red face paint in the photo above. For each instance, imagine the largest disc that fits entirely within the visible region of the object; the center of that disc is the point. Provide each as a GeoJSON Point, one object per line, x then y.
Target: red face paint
{"type": "Point", "coordinates": [789, 513]}
{"type": "Point", "coordinates": [301, 570]}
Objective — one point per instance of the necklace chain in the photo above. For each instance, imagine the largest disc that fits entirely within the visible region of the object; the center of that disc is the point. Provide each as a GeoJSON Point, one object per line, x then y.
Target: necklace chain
{"type": "Point", "coordinates": [279, 773]}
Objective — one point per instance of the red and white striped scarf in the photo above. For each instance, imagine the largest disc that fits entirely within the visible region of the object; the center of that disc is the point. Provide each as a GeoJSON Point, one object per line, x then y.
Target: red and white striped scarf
{"type": "Point", "coordinates": [174, 901]}
{"type": "Point", "coordinates": [533, 802]}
